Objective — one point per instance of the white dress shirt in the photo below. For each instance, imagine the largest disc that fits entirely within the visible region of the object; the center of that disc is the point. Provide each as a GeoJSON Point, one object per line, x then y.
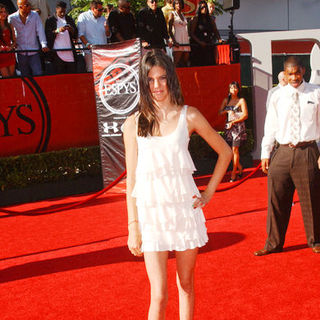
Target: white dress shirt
{"type": "Point", "coordinates": [270, 92]}
{"type": "Point", "coordinates": [277, 124]}
{"type": "Point", "coordinates": [92, 28]}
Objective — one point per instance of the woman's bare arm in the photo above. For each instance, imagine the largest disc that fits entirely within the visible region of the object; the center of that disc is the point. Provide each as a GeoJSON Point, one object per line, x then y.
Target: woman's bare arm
{"type": "Point", "coordinates": [131, 154]}
{"type": "Point", "coordinates": [198, 123]}
{"type": "Point", "coordinates": [223, 104]}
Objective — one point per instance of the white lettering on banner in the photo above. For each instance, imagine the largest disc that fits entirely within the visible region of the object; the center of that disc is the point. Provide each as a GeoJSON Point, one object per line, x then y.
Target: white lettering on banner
{"type": "Point", "coordinates": [123, 88]}
{"type": "Point", "coordinates": [111, 129]}
{"type": "Point", "coordinates": [113, 126]}
{"type": "Point", "coordinates": [119, 88]}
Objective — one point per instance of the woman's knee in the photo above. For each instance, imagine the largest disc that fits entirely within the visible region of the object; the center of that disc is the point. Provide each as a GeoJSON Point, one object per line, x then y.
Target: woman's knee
{"type": "Point", "coordinates": [185, 285]}
{"type": "Point", "coordinates": [235, 150]}
{"type": "Point", "coordinates": [160, 297]}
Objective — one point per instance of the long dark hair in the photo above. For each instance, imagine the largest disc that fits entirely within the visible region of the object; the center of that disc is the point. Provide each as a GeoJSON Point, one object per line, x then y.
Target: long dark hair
{"type": "Point", "coordinates": [176, 2]}
{"type": "Point", "coordinates": [148, 121]}
{"type": "Point", "coordinates": [206, 16]}
{"type": "Point", "coordinates": [202, 2]}
{"type": "Point", "coordinates": [6, 23]}
{"type": "Point", "coordinates": [233, 83]}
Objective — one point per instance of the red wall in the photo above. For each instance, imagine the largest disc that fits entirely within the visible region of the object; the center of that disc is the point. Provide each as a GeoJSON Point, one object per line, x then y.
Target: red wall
{"type": "Point", "coordinates": [58, 112]}
{"type": "Point", "coordinates": [206, 87]}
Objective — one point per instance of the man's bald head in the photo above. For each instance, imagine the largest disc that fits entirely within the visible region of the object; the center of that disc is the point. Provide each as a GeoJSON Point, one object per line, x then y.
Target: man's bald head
{"type": "Point", "coordinates": [24, 7]}
{"type": "Point", "coordinates": [282, 78]}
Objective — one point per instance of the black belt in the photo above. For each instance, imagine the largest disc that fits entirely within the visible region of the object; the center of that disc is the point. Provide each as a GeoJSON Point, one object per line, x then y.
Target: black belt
{"type": "Point", "coordinates": [298, 145]}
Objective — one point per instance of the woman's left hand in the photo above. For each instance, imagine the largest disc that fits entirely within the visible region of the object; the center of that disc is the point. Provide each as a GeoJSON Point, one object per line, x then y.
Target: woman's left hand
{"type": "Point", "coordinates": [201, 201]}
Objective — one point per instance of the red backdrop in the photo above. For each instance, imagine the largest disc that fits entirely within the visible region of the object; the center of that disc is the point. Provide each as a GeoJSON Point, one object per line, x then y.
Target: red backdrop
{"type": "Point", "coordinates": [58, 112]}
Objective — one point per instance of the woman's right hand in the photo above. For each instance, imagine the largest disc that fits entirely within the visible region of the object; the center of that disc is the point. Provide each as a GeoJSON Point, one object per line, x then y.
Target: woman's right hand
{"type": "Point", "coordinates": [134, 240]}
{"type": "Point", "coordinates": [176, 44]}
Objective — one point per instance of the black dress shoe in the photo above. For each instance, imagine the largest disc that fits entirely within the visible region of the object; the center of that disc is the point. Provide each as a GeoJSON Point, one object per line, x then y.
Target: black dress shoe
{"type": "Point", "coordinates": [264, 252]}
{"type": "Point", "coordinates": [316, 249]}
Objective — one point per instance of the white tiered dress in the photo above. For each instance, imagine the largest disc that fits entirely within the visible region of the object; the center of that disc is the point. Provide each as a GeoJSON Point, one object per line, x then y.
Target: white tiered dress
{"type": "Point", "coordinates": [164, 189]}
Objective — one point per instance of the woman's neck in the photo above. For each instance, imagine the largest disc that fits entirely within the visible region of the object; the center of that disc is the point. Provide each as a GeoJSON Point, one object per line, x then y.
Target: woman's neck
{"type": "Point", "coordinates": [164, 109]}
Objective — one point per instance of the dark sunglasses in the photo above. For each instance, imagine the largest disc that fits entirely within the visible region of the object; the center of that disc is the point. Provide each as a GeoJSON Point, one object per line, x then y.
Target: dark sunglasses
{"type": "Point", "coordinates": [100, 10]}
{"type": "Point", "coordinates": [153, 1]}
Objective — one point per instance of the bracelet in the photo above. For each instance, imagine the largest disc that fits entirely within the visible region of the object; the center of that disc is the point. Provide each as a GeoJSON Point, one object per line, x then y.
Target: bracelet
{"type": "Point", "coordinates": [88, 44]}
{"type": "Point", "coordinates": [57, 30]}
{"type": "Point", "coordinates": [133, 221]}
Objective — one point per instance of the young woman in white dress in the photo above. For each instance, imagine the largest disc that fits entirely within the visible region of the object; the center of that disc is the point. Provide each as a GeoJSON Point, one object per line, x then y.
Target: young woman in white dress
{"type": "Point", "coordinates": [163, 202]}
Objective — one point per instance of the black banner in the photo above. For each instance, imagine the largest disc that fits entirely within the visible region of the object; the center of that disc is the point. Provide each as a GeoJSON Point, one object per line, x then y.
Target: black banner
{"type": "Point", "coordinates": [116, 81]}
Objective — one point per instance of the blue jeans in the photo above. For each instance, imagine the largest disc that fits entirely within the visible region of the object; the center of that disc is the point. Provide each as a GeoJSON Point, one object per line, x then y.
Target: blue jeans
{"type": "Point", "coordinates": [30, 65]}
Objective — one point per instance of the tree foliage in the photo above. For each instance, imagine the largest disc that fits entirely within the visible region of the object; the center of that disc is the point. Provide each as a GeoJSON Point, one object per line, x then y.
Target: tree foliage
{"type": "Point", "coordinates": [79, 6]}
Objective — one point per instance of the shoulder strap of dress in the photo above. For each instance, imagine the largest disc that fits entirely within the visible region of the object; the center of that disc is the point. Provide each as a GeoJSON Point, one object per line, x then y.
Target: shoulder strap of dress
{"type": "Point", "coordinates": [183, 120]}
{"type": "Point", "coordinates": [183, 114]}
{"type": "Point", "coordinates": [184, 109]}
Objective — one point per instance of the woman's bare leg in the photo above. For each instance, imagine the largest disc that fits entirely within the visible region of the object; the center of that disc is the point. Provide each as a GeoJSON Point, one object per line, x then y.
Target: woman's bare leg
{"type": "Point", "coordinates": [12, 70]}
{"type": "Point", "coordinates": [177, 58]}
{"type": "Point", "coordinates": [235, 160]}
{"type": "Point", "coordinates": [186, 261]}
{"type": "Point", "coordinates": [156, 265]}
{"type": "Point", "coordinates": [4, 72]}
{"type": "Point", "coordinates": [185, 59]}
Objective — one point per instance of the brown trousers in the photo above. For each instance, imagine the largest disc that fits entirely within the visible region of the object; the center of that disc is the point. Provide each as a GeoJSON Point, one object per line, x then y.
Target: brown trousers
{"type": "Point", "coordinates": [292, 169]}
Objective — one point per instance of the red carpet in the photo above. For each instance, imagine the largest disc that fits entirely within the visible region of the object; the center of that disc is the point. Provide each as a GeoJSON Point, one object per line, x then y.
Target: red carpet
{"type": "Point", "coordinates": [75, 264]}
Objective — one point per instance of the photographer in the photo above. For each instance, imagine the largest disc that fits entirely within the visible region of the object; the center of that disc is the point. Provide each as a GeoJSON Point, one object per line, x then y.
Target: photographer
{"type": "Point", "coordinates": [60, 31]}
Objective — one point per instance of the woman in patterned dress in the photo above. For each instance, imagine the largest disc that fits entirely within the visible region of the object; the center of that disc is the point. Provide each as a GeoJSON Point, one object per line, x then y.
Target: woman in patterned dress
{"type": "Point", "coordinates": [235, 130]}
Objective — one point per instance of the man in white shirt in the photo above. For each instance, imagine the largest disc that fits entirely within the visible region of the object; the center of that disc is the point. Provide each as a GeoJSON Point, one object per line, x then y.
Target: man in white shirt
{"type": "Point", "coordinates": [293, 121]}
{"type": "Point", "coordinates": [282, 82]}
{"type": "Point", "coordinates": [61, 32]}
{"type": "Point", "coordinates": [93, 29]}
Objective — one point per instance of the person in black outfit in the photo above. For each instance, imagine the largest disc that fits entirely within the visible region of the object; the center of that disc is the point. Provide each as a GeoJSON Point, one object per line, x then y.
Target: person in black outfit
{"type": "Point", "coordinates": [122, 23]}
{"type": "Point", "coordinates": [58, 28]}
{"type": "Point", "coordinates": [203, 34]}
{"type": "Point", "coordinates": [152, 28]}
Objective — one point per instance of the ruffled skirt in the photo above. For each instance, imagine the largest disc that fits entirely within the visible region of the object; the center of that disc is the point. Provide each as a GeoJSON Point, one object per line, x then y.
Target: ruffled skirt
{"type": "Point", "coordinates": [166, 215]}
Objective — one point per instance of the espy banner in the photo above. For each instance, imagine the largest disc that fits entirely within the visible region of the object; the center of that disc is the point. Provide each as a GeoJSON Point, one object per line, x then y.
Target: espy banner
{"type": "Point", "coordinates": [116, 83]}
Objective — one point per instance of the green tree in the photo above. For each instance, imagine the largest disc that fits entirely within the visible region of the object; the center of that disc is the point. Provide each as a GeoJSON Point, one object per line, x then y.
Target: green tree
{"type": "Point", "coordinates": [79, 6]}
